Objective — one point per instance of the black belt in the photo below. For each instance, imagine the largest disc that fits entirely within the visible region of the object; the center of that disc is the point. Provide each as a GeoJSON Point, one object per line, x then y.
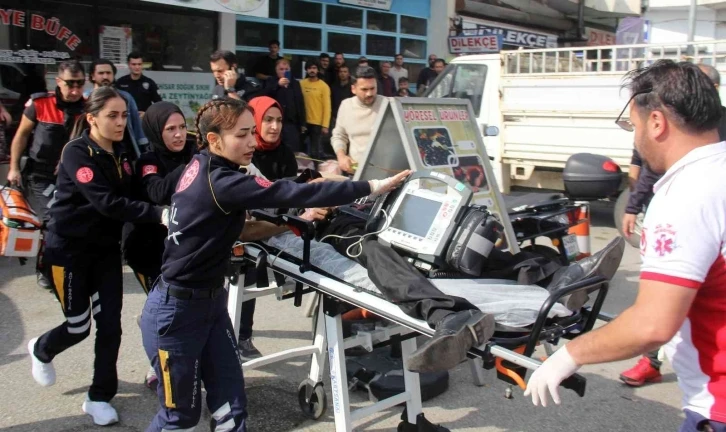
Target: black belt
{"type": "Point", "coordinates": [191, 294]}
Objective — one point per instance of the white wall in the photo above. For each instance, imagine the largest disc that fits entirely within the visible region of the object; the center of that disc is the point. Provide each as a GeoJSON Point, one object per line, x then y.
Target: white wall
{"type": "Point", "coordinates": [227, 31]}
{"type": "Point", "coordinates": [669, 25]}
{"type": "Point", "coordinates": [438, 31]}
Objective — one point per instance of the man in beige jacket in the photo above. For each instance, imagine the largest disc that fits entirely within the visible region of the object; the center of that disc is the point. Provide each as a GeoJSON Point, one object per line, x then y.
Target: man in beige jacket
{"type": "Point", "coordinates": [356, 117]}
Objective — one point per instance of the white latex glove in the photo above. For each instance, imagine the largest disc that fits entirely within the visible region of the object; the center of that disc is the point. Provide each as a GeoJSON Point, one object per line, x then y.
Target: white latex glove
{"type": "Point", "coordinates": [379, 187]}
{"type": "Point", "coordinates": [549, 375]}
{"type": "Point", "coordinates": [165, 217]}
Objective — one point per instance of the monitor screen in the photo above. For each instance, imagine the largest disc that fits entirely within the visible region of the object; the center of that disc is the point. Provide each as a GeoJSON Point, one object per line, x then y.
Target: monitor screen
{"type": "Point", "coordinates": [415, 215]}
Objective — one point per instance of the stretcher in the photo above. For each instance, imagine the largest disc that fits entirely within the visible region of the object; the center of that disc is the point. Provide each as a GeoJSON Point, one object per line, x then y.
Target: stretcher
{"type": "Point", "coordinates": [509, 352]}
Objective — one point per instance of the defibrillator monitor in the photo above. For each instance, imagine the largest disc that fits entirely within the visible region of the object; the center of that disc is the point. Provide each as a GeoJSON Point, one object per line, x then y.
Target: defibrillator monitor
{"type": "Point", "coordinates": [422, 217]}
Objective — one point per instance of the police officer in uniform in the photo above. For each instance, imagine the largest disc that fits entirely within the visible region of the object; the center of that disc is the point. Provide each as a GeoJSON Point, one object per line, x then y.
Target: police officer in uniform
{"type": "Point", "coordinates": [49, 117]}
{"type": "Point", "coordinates": [82, 248]}
{"type": "Point", "coordinates": [186, 329]}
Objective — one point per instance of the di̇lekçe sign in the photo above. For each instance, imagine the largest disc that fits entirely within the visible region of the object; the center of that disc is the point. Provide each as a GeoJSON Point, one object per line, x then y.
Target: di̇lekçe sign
{"type": "Point", "coordinates": [51, 26]}
{"type": "Point", "coordinates": [475, 44]}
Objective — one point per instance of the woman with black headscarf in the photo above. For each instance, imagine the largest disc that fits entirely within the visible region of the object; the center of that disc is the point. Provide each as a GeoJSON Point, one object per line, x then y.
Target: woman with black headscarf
{"type": "Point", "coordinates": [157, 173]}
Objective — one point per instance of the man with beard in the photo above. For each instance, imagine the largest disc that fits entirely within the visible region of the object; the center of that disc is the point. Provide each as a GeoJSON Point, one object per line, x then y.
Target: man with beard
{"type": "Point", "coordinates": [356, 116]}
{"type": "Point", "coordinates": [426, 76]}
{"type": "Point", "coordinates": [674, 112]}
{"type": "Point", "coordinates": [49, 117]}
{"type": "Point", "coordinates": [103, 74]}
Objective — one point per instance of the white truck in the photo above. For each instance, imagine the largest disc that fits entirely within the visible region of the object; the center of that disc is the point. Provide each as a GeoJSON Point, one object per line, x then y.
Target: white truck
{"type": "Point", "coordinates": [549, 104]}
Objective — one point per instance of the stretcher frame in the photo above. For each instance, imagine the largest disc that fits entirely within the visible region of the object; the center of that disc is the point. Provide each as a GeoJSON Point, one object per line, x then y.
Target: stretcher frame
{"type": "Point", "coordinates": [329, 344]}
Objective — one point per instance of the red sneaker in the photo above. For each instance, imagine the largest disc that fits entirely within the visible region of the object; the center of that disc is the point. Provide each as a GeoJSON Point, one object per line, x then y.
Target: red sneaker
{"type": "Point", "coordinates": [641, 373]}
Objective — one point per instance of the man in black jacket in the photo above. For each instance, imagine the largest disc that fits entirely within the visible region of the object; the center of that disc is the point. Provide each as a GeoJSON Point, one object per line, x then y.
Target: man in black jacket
{"type": "Point", "coordinates": [288, 93]}
{"type": "Point", "coordinates": [339, 90]}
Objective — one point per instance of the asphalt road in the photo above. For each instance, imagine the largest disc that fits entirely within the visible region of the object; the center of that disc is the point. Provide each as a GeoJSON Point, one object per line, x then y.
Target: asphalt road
{"type": "Point", "coordinates": [27, 311]}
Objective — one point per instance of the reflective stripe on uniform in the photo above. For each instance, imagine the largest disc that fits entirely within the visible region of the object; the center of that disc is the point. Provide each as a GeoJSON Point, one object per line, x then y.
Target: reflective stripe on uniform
{"type": "Point", "coordinates": [59, 281]}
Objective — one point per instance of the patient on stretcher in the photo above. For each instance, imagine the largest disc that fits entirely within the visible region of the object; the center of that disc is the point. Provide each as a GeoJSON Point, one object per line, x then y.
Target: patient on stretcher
{"type": "Point", "coordinates": [463, 311]}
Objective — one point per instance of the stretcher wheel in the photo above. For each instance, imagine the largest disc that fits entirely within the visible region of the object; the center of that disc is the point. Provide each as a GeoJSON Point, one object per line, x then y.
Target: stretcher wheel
{"type": "Point", "coordinates": [315, 406]}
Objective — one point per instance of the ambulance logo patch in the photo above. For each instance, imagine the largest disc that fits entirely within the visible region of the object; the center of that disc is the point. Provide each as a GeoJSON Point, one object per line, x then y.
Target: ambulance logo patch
{"type": "Point", "coordinates": [263, 182]}
{"type": "Point", "coordinates": [664, 240]}
{"type": "Point", "coordinates": [189, 175]}
{"type": "Point", "coordinates": [127, 167]}
{"type": "Point", "coordinates": [84, 175]}
{"type": "Point", "coordinates": [148, 169]}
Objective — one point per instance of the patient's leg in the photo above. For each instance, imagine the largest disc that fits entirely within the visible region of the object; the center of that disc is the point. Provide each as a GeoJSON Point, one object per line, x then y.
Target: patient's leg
{"type": "Point", "coordinates": [405, 286]}
{"type": "Point", "coordinates": [397, 279]}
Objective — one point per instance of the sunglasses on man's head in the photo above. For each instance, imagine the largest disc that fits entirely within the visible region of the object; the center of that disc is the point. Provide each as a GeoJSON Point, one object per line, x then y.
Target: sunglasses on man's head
{"type": "Point", "coordinates": [79, 83]}
{"type": "Point", "coordinates": [626, 124]}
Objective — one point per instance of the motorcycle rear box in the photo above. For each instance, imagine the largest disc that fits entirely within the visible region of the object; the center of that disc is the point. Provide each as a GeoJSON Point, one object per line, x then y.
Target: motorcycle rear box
{"type": "Point", "coordinates": [589, 176]}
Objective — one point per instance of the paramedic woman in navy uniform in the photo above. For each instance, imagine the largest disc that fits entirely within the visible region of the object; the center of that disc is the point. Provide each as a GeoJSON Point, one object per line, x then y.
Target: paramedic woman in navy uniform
{"type": "Point", "coordinates": [83, 252]}
{"type": "Point", "coordinates": [186, 329]}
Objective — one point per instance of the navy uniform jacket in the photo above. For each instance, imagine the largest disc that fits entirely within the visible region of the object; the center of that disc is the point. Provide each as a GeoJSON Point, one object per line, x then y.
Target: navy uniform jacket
{"type": "Point", "coordinates": [92, 194]}
{"type": "Point", "coordinates": [156, 177]}
{"type": "Point", "coordinates": [208, 213]}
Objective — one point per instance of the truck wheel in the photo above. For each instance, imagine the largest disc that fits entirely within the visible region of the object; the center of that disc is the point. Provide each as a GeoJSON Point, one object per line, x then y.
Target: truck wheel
{"type": "Point", "coordinates": [618, 213]}
{"type": "Point", "coordinates": [546, 251]}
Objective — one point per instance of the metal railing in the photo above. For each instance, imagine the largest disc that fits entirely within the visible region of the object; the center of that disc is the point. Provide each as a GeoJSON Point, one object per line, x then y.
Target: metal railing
{"type": "Point", "coordinates": [615, 59]}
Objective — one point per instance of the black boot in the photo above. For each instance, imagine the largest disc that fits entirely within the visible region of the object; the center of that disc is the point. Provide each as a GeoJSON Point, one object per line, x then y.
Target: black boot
{"type": "Point", "coordinates": [454, 336]}
{"type": "Point", "coordinates": [604, 263]}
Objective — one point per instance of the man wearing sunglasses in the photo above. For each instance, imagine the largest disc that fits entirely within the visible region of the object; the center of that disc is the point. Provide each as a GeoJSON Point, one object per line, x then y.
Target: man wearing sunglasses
{"type": "Point", "coordinates": [647, 370]}
{"type": "Point", "coordinates": [675, 113]}
{"type": "Point", "coordinates": [49, 117]}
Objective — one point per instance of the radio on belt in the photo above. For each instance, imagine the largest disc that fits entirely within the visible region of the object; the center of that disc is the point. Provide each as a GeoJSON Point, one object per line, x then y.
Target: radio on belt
{"type": "Point", "coordinates": [423, 215]}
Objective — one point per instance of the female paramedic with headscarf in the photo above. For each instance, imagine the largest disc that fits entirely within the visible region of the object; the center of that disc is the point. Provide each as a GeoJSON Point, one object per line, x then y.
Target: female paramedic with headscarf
{"type": "Point", "coordinates": [82, 248]}
{"type": "Point", "coordinates": [157, 173]}
{"type": "Point", "coordinates": [186, 329]}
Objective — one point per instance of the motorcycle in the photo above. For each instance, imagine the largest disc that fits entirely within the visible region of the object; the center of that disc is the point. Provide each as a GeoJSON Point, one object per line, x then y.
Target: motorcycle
{"type": "Point", "coordinates": [587, 177]}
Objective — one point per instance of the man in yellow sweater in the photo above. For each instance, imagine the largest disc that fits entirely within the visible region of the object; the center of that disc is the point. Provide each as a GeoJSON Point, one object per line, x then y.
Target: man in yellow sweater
{"type": "Point", "coordinates": [316, 94]}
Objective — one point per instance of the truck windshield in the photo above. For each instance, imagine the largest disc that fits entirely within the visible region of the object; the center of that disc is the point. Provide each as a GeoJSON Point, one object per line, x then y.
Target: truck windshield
{"type": "Point", "coordinates": [461, 81]}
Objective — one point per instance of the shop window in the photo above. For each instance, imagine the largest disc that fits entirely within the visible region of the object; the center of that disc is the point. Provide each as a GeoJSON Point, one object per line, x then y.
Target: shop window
{"type": "Point", "coordinates": [413, 48]}
{"type": "Point", "coordinates": [247, 59]}
{"type": "Point", "coordinates": [302, 38]}
{"type": "Point", "coordinates": [255, 34]}
{"type": "Point", "coordinates": [413, 26]}
{"type": "Point", "coordinates": [380, 21]}
{"type": "Point", "coordinates": [274, 9]}
{"type": "Point", "coordinates": [344, 16]}
{"type": "Point", "coordinates": [296, 10]}
{"type": "Point", "coordinates": [297, 64]}
{"type": "Point", "coordinates": [346, 43]}
{"type": "Point", "coordinates": [380, 45]}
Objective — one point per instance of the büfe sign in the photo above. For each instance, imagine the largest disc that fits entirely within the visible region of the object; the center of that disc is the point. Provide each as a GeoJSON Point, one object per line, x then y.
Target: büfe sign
{"type": "Point", "coordinates": [475, 44]}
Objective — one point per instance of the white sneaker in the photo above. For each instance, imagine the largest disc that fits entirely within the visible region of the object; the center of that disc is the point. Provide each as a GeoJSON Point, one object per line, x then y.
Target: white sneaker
{"type": "Point", "coordinates": [102, 412]}
{"type": "Point", "coordinates": [43, 373]}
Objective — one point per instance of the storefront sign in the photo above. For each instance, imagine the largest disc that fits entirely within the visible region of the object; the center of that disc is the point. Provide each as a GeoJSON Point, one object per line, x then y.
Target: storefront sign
{"type": "Point", "coordinates": [115, 43]}
{"type": "Point", "coordinates": [374, 4]}
{"type": "Point", "coordinates": [51, 26]}
{"type": "Point", "coordinates": [258, 8]}
{"type": "Point", "coordinates": [599, 37]}
{"type": "Point", "coordinates": [32, 56]}
{"type": "Point", "coordinates": [489, 43]}
{"type": "Point", "coordinates": [189, 90]}
{"type": "Point", "coordinates": [510, 36]}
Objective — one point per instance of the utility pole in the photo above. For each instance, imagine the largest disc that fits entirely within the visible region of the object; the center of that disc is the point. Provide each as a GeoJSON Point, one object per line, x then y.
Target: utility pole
{"type": "Point", "coordinates": [692, 27]}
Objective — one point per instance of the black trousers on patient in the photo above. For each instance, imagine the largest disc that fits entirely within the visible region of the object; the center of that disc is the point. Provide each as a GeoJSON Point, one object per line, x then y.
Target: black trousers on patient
{"type": "Point", "coordinates": [404, 285]}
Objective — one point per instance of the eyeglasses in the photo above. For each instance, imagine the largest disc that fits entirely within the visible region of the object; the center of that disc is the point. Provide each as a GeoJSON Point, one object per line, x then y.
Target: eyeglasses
{"type": "Point", "coordinates": [78, 83]}
{"type": "Point", "coordinates": [625, 124]}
